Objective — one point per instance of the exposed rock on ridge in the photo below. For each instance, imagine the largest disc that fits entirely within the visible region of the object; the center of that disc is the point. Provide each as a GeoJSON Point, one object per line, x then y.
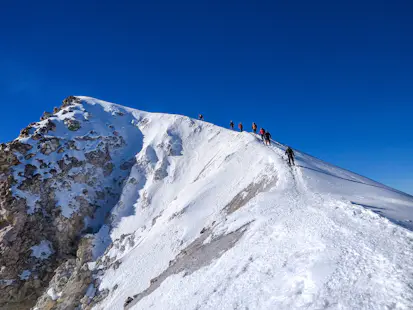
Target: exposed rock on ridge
{"type": "Point", "coordinates": [54, 187]}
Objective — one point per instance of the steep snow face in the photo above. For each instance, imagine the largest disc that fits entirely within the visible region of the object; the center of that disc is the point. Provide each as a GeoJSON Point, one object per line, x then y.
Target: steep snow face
{"type": "Point", "coordinates": [210, 218]}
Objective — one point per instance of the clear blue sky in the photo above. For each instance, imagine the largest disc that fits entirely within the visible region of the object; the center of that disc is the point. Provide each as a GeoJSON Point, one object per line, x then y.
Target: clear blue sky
{"type": "Point", "coordinates": [332, 78]}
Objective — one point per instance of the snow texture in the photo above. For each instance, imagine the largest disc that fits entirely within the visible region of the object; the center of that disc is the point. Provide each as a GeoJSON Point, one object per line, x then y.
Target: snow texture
{"type": "Point", "coordinates": [25, 274]}
{"type": "Point", "coordinates": [42, 250]}
{"type": "Point", "coordinates": [210, 218]}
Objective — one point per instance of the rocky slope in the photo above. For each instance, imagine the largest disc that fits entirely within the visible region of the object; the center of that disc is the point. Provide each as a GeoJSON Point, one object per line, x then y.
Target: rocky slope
{"type": "Point", "coordinates": [104, 206]}
{"type": "Point", "coordinates": [59, 179]}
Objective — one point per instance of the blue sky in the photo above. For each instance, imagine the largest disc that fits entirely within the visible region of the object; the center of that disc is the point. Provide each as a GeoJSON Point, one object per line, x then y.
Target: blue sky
{"type": "Point", "coordinates": [332, 78]}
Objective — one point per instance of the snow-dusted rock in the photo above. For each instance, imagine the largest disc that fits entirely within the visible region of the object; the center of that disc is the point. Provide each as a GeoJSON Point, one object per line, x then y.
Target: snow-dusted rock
{"type": "Point", "coordinates": [54, 186]}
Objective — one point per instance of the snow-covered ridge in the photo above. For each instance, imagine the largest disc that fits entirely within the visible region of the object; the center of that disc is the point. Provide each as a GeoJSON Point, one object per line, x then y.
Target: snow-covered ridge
{"type": "Point", "coordinates": [183, 214]}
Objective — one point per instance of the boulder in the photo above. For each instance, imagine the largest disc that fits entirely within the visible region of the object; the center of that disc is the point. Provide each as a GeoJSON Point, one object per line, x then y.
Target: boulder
{"type": "Point", "coordinates": [71, 100]}
{"type": "Point", "coordinates": [29, 170]}
{"type": "Point", "coordinates": [49, 145]}
{"type": "Point", "coordinates": [72, 125]}
{"type": "Point", "coordinates": [46, 115]}
{"type": "Point", "coordinates": [25, 132]}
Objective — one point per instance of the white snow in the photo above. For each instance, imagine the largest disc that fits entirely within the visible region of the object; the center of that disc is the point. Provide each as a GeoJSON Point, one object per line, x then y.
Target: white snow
{"type": "Point", "coordinates": [25, 274]}
{"type": "Point", "coordinates": [310, 237]}
{"type": "Point", "coordinates": [91, 290]}
{"type": "Point", "coordinates": [53, 294]}
{"type": "Point", "coordinates": [43, 250]}
{"type": "Point", "coordinates": [6, 282]}
{"type": "Point", "coordinates": [317, 236]}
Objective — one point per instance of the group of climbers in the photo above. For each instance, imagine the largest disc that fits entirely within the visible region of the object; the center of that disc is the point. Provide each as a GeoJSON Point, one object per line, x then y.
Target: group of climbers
{"type": "Point", "coordinates": [265, 137]}
{"type": "Point", "coordinates": [240, 126]}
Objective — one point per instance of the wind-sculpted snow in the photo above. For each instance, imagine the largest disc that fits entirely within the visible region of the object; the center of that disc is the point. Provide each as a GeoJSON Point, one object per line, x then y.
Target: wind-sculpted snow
{"type": "Point", "coordinates": [308, 243]}
{"type": "Point", "coordinates": [182, 214]}
{"type": "Point", "coordinates": [328, 179]}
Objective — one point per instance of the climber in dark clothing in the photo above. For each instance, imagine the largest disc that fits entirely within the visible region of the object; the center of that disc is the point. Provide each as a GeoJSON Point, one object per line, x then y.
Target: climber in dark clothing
{"type": "Point", "coordinates": [267, 137]}
{"type": "Point", "coordinates": [231, 124]}
{"type": "Point", "coordinates": [290, 153]}
{"type": "Point", "coordinates": [254, 127]}
{"type": "Point", "coordinates": [240, 127]}
{"type": "Point", "coordinates": [201, 117]}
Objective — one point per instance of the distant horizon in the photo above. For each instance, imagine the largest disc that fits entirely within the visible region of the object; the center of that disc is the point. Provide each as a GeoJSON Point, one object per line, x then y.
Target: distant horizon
{"type": "Point", "coordinates": [333, 79]}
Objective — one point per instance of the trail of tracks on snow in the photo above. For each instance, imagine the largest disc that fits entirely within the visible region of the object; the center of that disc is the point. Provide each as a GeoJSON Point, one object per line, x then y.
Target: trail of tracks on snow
{"type": "Point", "coordinates": [363, 257]}
{"type": "Point", "coordinates": [302, 250]}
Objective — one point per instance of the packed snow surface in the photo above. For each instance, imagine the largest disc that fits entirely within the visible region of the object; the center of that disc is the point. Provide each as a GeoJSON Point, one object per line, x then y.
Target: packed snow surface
{"type": "Point", "coordinates": [211, 218]}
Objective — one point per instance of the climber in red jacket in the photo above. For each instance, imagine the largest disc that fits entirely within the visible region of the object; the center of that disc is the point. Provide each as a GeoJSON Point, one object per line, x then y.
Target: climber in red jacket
{"type": "Point", "coordinates": [262, 133]}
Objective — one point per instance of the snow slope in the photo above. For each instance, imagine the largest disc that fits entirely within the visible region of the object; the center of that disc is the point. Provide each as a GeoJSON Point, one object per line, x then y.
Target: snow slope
{"type": "Point", "coordinates": [212, 219]}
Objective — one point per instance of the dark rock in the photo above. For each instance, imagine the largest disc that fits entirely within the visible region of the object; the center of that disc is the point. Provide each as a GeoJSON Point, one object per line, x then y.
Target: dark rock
{"type": "Point", "coordinates": [71, 145]}
{"type": "Point", "coordinates": [98, 158]}
{"type": "Point", "coordinates": [29, 156]}
{"type": "Point", "coordinates": [7, 160]}
{"type": "Point", "coordinates": [50, 126]}
{"type": "Point", "coordinates": [127, 165]}
{"type": "Point", "coordinates": [49, 145]}
{"type": "Point", "coordinates": [128, 301]}
{"type": "Point", "coordinates": [29, 170]}
{"type": "Point", "coordinates": [25, 133]}
{"type": "Point", "coordinates": [71, 100]}
{"type": "Point", "coordinates": [20, 147]}
{"type": "Point", "coordinates": [37, 136]}
{"type": "Point", "coordinates": [72, 125]}
{"type": "Point", "coordinates": [46, 115]}
{"type": "Point", "coordinates": [107, 169]}
{"type": "Point", "coordinates": [70, 162]}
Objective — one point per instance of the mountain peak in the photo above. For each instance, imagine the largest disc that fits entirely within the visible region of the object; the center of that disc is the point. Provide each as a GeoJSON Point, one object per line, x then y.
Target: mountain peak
{"type": "Point", "coordinates": [103, 204]}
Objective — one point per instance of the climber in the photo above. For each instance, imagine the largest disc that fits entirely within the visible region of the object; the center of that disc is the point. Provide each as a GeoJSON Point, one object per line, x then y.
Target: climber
{"type": "Point", "coordinates": [267, 137]}
{"type": "Point", "coordinates": [262, 133]}
{"type": "Point", "coordinates": [290, 154]}
{"type": "Point", "coordinates": [201, 117]}
{"type": "Point", "coordinates": [254, 127]}
{"type": "Point", "coordinates": [127, 302]}
{"type": "Point", "coordinates": [240, 127]}
{"type": "Point", "coordinates": [231, 124]}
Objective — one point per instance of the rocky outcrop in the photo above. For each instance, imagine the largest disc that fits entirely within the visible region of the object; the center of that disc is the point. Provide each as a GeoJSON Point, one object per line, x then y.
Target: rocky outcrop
{"type": "Point", "coordinates": [68, 101]}
{"type": "Point", "coordinates": [46, 115]}
{"type": "Point", "coordinates": [70, 281]}
{"type": "Point", "coordinates": [49, 185]}
{"type": "Point", "coordinates": [49, 145]}
{"type": "Point", "coordinates": [73, 125]}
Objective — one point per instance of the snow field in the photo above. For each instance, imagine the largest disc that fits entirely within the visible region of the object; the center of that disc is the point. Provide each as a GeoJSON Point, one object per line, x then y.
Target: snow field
{"type": "Point", "coordinates": [310, 237]}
